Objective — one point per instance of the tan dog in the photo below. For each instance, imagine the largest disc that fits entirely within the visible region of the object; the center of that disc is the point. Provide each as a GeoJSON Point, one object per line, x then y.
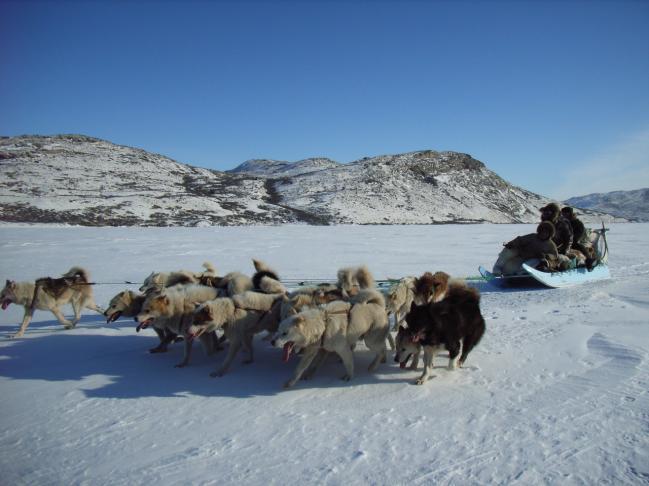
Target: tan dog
{"type": "Point", "coordinates": [239, 325]}
{"type": "Point", "coordinates": [335, 327]}
{"type": "Point", "coordinates": [51, 294]}
{"type": "Point", "coordinates": [127, 304]}
{"type": "Point", "coordinates": [170, 311]}
{"type": "Point", "coordinates": [159, 280]}
{"type": "Point", "coordinates": [309, 297]}
{"type": "Point", "coordinates": [399, 299]}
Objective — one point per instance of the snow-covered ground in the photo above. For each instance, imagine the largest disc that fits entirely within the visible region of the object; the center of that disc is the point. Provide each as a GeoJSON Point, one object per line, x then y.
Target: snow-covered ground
{"type": "Point", "coordinates": [555, 393]}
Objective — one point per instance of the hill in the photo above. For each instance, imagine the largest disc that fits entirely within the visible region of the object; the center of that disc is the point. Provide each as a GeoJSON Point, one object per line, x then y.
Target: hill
{"type": "Point", "coordinates": [76, 179]}
{"type": "Point", "coordinates": [633, 205]}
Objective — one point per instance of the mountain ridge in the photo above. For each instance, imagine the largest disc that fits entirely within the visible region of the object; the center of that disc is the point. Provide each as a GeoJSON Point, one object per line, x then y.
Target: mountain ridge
{"type": "Point", "coordinates": [77, 179]}
{"type": "Point", "coordinates": [633, 204]}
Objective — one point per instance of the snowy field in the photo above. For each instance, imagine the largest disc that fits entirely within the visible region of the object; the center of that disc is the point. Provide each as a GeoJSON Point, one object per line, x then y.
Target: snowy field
{"type": "Point", "coordinates": [556, 392]}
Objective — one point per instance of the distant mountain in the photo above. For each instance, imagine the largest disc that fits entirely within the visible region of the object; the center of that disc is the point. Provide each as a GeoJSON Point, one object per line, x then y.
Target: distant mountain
{"type": "Point", "coordinates": [276, 168]}
{"type": "Point", "coordinates": [77, 179]}
{"type": "Point", "coordinates": [633, 205]}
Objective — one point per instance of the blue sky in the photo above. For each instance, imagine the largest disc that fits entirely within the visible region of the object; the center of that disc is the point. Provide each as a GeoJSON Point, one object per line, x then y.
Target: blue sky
{"type": "Point", "coordinates": [553, 96]}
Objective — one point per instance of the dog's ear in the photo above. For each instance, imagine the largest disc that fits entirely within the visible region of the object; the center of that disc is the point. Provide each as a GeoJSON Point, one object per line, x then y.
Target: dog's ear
{"type": "Point", "coordinates": [11, 284]}
{"type": "Point", "coordinates": [299, 320]}
{"type": "Point", "coordinates": [163, 299]}
{"type": "Point", "coordinates": [418, 336]}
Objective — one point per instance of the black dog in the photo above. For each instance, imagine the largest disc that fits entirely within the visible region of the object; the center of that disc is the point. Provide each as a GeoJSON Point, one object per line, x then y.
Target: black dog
{"type": "Point", "coordinates": [455, 324]}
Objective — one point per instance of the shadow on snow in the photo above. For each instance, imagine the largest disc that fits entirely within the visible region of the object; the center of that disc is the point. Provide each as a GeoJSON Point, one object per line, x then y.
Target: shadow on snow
{"type": "Point", "coordinates": [122, 359]}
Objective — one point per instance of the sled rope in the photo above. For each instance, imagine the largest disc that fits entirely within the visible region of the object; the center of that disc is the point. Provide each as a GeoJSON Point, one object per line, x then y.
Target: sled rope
{"type": "Point", "coordinates": [292, 282]}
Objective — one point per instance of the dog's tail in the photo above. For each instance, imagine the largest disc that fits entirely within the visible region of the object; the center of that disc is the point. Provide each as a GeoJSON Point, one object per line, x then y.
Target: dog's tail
{"type": "Point", "coordinates": [368, 296]}
{"type": "Point", "coordinates": [271, 286]}
{"type": "Point", "coordinates": [364, 277]}
{"type": "Point", "coordinates": [262, 266]}
{"type": "Point", "coordinates": [210, 270]}
{"type": "Point", "coordinates": [78, 272]}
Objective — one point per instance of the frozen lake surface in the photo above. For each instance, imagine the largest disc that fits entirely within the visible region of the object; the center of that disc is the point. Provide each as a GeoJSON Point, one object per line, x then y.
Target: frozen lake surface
{"type": "Point", "coordinates": [556, 392]}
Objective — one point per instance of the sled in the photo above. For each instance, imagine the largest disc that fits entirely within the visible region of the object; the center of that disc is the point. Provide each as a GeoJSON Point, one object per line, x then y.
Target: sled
{"type": "Point", "coordinates": [558, 280]}
{"type": "Point", "coordinates": [568, 278]}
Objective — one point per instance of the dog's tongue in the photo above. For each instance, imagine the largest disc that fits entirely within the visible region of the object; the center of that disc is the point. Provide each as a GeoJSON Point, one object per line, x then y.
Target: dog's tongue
{"type": "Point", "coordinates": [402, 364]}
{"type": "Point", "coordinates": [288, 347]}
{"type": "Point", "coordinates": [113, 317]}
{"type": "Point", "coordinates": [5, 304]}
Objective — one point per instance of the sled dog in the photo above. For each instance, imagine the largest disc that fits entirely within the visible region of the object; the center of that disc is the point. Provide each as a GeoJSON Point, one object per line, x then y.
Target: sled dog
{"type": "Point", "coordinates": [170, 312]}
{"type": "Point", "coordinates": [127, 303]}
{"type": "Point", "coordinates": [51, 294]}
{"type": "Point", "coordinates": [239, 326]}
{"type": "Point", "coordinates": [160, 280]}
{"type": "Point", "coordinates": [453, 323]}
{"type": "Point", "coordinates": [335, 327]}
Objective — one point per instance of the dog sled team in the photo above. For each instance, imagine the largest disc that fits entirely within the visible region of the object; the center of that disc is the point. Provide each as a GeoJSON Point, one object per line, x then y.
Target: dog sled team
{"type": "Point", "coordinates": [431, 314]}
{"type": "Point", "coordinates": [561, 242]}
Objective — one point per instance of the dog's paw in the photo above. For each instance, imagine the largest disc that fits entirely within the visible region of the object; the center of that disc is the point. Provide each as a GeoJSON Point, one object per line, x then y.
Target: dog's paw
{"type": "Point", "coordinates": [346, 378]}
{"type": "Point", "coordinates": [289, 384]}
{"type": "Point", "coordinates": [180, 365]}
{"type": "Point", "coordinates": [248, 361]}
{"type": "Point", "coordinates": [217, 374]}
{"type": "Point", "coordinates": [423, 379]}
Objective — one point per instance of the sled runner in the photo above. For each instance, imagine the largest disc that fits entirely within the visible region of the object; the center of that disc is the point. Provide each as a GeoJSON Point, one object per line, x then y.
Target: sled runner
{"type": "Point", "coordinates": [568, 278]}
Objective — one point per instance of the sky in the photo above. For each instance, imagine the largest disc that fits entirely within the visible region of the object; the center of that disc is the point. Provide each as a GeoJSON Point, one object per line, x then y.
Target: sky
{"type": "Point", "coordinates": [551, 95]}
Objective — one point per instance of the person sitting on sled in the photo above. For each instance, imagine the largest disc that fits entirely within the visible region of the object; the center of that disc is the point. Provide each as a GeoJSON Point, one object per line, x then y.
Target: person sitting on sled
{"type": "Point", "coordinates": [580, 240]}
{"type": "Point", "coordinates": [563, 236]}
{"type": "Point", "coordinates": [533, 249]}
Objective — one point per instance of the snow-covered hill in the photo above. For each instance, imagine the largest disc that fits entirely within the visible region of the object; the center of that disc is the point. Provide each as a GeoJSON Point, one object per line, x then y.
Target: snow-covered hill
{"type": "Point", "coordinates": [632, 205]}
{"type": "Point", "coordinates": [82, 180]}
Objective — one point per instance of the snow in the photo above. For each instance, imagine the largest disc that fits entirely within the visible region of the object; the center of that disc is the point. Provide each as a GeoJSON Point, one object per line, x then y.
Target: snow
{"type": "Point", "coordinates": [556, 392]}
